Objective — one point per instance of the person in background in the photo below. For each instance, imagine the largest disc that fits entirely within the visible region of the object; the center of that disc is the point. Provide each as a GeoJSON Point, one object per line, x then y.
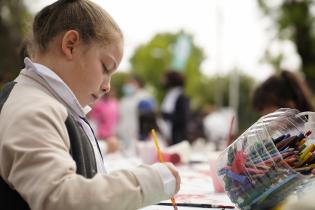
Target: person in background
{"type": "Point", "coordinates": [147, 119]}
{"type": "Point", "coordinates": [285, 90]}
{"type": "Point", "coordinates": [105, 115]}
{"type": "Point", "coordinates": [175, 107]}
{"type": "Point", "coordinates": [128, 126]}
{"type": "Point", "coordinates": [217, 125]}
{"type": "Point", "coordinates": [49, 157]}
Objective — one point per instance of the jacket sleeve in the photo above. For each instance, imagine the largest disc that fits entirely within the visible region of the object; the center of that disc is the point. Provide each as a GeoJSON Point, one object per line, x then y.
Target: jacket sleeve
{"type": "Point", "coordinates": [306, 202]}
{"type": "Point", "coordinates": [35, 161]}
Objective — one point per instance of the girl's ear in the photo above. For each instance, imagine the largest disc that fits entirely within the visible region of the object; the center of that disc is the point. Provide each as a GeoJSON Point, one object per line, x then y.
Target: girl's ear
{"type": "Point", "coordinates": [70, 40]}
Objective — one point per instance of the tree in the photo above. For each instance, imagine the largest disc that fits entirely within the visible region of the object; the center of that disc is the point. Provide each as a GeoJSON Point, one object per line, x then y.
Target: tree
{"type": "Point", "coordinates": [295, 21]}
{"type": "Point", "coordinates": [117, 82]}
{"type": "Point", "coordinates": [151, 60]}
{"type": "Point", "coordinates": [246, 116]}
{"type": "Point", "coordinates": [14, 20]}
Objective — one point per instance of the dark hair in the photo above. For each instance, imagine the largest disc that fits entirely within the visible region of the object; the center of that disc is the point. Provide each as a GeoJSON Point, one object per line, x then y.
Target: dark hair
{"type": "Point", "coordinates": [174, 79]}
{"type": "Point", "coordinates": [147, 118]}
{"type": "Point", "coordinates": [24, 50]}
{"type": "Point", "coordinates": [280, 90]}
{"type": "Point", "coordinates": [139, 80]}
{"type": "Point", "coordinates": [90, 20]}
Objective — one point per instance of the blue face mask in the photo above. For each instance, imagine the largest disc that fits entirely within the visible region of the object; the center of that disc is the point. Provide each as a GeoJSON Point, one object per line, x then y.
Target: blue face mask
{"type": "Point", "coordinates": [128, 89]}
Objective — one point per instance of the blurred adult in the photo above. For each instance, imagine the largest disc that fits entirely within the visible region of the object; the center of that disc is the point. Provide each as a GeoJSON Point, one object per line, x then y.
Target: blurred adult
{"type": "Point", "coordinates": [175, 107]}
{"type": "Point", "coordinates": [147, 119]}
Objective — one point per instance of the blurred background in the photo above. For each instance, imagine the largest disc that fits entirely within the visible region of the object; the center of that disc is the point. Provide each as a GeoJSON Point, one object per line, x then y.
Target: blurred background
{"type": "Point", "coordinates": [223, 47]}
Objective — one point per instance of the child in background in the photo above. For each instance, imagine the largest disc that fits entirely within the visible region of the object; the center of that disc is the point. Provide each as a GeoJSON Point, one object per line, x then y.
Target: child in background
{"type": "Point", "coordinates": [49, 157]}
{"type": "Point", "coordinates": [128, 127]}
{"type": "Point", "coordinates": [285, 90]}
{"type": "Point", "coordinates": [147, 118]}
{"type": "Point", "coordinates": [105, 115]}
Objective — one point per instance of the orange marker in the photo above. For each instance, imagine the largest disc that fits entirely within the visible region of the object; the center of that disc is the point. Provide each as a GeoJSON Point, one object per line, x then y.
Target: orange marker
{"type": "Point", "coordinates": [162, 161]}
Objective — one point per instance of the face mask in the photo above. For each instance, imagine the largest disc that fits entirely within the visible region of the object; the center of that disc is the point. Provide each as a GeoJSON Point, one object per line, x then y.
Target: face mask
{"type": "Point", "coordinates": [128, 89]}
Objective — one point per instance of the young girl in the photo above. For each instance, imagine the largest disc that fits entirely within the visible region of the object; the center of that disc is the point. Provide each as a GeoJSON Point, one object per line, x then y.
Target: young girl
{"type": "Point", "coordinates": [49, 157]}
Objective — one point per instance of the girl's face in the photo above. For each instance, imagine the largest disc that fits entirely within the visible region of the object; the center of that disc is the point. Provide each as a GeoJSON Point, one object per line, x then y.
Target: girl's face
{"type": "Point", "coordinates": [94, 67]}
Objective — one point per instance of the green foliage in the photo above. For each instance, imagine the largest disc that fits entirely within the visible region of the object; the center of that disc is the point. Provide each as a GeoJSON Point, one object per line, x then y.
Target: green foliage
{"type": "Point", "coordinates": [117, 82]}
{"type": "Point", "coordinates": [152, 60]}
{"type": "Point", "coordinates": [294, 20]}
{"type": "Point", "coordinates": [246, 115]}
{"type": "Point", "coordinates": [216, 92]}
{"type": "Point", "coordinates": [14, 27]}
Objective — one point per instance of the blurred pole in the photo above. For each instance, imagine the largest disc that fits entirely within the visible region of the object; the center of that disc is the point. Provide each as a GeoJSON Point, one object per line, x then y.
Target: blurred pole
{"type": "Point", "coordinates": [234, 89]}
{"type": "Point", "coordinates": [218, 92]}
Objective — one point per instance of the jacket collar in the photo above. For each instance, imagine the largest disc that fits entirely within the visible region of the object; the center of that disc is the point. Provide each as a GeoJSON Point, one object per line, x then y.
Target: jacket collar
{"type": "Point", "coordinates": [55, 85]}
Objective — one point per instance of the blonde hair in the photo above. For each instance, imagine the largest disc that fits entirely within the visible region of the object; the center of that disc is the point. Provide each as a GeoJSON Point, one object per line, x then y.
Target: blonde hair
{"type": "Point", "coordinates": [91, 21]}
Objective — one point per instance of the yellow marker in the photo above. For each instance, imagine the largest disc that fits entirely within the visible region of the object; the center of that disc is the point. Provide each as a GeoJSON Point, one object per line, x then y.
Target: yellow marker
{"type": "Point", "coordinates": [307, 150]}
{"type": "Point", "coordinates": [304, 159]}
{"type": "Point", "coordinates": [162, 161]}
{"type": "Point", "coordinates": [281, 205]}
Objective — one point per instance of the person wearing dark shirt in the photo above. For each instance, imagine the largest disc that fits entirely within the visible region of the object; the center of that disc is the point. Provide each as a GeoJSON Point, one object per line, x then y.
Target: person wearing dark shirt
{"type": "Point", "coordinates": [175, 107]}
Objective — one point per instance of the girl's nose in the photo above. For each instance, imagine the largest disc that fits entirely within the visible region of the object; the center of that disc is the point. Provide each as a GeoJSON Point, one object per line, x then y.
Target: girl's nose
{"type": "Point", "coordinates": [105, 87]}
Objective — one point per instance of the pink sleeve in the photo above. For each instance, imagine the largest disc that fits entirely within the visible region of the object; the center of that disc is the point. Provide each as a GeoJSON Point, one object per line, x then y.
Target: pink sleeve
{"type": "Point", "coordinates": [96, 111]}
{"type": "Point", "coordinates": [109, 119]}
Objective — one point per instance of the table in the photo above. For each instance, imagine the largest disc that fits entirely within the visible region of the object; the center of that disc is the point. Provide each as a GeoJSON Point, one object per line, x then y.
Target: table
{"type": "Point", "coordinates": [197, 184]}
{"type": "Point", "coordinates": [157, 207]}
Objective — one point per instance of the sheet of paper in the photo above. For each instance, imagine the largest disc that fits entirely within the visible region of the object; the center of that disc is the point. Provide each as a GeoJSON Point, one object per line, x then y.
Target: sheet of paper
{"type": "Point", "coordinates": [197, 187]}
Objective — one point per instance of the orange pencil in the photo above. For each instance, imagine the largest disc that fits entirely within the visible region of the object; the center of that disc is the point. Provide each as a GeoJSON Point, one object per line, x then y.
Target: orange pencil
{"type": "Point", "coordinates": [162, 161]}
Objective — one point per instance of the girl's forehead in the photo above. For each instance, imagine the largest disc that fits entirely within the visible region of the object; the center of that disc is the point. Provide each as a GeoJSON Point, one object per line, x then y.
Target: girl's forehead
{"type": "Point", "coordinates": [113, 44]}
{"type": "Point", "coordinates": [113, 52]}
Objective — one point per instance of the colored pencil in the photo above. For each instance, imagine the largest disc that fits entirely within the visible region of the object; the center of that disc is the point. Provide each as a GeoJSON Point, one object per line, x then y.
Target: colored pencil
{"type": "Point", "coordinates": [162, 161]}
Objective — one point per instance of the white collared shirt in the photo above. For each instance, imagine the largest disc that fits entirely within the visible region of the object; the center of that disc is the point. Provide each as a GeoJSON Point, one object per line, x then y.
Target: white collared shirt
{"type": "Point", "coordinates": [168, 106]}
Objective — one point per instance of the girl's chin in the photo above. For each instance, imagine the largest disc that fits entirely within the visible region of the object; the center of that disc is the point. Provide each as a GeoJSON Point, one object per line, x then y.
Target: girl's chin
{"type": "Point", "coordinates": [92, 100]}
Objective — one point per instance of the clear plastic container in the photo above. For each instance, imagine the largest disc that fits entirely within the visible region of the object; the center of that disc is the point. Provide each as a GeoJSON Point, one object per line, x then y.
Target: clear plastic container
{"type": "Point", "coordinates": [255, 170]}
